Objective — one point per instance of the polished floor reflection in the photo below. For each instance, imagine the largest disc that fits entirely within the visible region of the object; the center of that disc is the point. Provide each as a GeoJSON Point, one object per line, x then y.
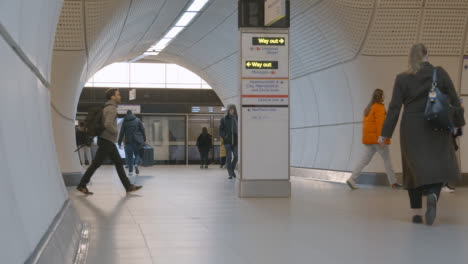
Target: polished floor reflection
{"type": "Point", "coordinates": [187, 215]}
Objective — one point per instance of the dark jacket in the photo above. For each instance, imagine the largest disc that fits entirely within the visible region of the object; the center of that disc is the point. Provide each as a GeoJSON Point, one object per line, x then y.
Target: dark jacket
{"type": "Point", "coordinates": [228, 130]}
{"type": "Point", "coordinates": [82, 139]}
{"type": "Point", "coordinates": [133, 130]}
{"type": "Point", "coordinates": [428, 156]}
{"type": "Point", "coordinates": [204, 143]}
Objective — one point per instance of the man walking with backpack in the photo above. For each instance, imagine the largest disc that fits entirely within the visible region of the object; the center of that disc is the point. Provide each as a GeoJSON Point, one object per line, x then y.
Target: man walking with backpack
{"type": "Point", "coordinates": [106, 143]}
{"type": "Point", "coordinates": [134, 133]}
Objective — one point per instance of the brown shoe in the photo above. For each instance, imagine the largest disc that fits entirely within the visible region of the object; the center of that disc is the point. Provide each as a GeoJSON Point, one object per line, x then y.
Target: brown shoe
{"type": "Point", "coordinates": [83, 189]}
{"type": "Point", "coordinates": [134, 188]}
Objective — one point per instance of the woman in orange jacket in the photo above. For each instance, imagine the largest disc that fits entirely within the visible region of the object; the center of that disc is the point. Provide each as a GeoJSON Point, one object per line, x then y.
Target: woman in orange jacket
{"type": "Point", "coordinates": [374, 117]}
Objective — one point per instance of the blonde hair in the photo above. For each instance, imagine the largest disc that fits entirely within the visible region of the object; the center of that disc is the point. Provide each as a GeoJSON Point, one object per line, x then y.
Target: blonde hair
{"type": "Point", "coordinates": [416, 56]}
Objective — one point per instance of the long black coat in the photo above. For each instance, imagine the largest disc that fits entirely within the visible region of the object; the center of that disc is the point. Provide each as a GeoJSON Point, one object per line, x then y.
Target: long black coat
{"type": "Point", "coordinates": [204, 143]}
{"type": "Point", "coordinates": [428, 156]}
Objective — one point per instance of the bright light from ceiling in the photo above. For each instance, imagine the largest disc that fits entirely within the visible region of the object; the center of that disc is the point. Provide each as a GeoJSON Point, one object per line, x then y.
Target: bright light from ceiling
{"type": "Point", "coordinates": [186, 19]}
{"type": "Point", "coordinates": [151, 53]}
{"type": "Point", "coordinates": [174, 32]}
{"type": "Point", "coordinates": [197, 5]}
{"type": "Point", "coordinates": [161, 44]}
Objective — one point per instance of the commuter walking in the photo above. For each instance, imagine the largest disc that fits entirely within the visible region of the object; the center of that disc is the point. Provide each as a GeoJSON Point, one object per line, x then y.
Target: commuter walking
{"type": "Point", "coordinates": [228, 131]}
{"type": "Point", "coordinates": [428, 154]}
{"type": "Point", "coordinates": [106, 144]}
{"type": "Point", "coordinates": [374, 117]}
{"type": "Point", "coordinates": [222, 153]}
{"type": "Point", "coordinates": [83, 142]}
{"type": "Point", "coordinates": [134, 132]}
{"type": "Point", "coordinates": [204, 145]}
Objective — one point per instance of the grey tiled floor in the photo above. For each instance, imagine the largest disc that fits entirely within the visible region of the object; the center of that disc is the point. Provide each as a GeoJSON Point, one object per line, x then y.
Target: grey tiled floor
{"type": "Point", "coordinates": [188, 215]}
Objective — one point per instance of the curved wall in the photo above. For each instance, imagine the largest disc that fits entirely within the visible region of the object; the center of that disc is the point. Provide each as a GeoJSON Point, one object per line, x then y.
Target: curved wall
{"type": "Point", "coordinates": [341, 50]}
{"type": "Point", "coordinates": [32, 190]}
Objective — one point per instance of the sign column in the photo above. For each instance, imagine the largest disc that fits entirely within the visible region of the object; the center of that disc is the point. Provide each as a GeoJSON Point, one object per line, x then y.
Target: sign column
{"type": "Point", "coordinates": [264, 89]}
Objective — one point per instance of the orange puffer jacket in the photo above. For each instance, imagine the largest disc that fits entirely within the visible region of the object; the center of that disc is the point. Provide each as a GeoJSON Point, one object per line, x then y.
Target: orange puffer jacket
{"type": "Point", "coordinates": [372, 125]}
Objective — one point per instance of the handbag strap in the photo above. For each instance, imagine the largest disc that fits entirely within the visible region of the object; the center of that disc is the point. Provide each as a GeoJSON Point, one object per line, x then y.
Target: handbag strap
{"type": "Point", "coordinates": [434, 78]}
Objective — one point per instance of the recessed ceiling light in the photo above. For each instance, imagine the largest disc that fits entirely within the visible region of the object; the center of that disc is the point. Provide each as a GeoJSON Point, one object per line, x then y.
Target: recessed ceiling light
{"type": "Point", "coordinates": [197, 5]}
{"type": "Point", "coordinates": [186, 19]}
{"type": "Point", "coordinates": [161, 44]}
{"type": "Point", "coordinates": [173, 32]}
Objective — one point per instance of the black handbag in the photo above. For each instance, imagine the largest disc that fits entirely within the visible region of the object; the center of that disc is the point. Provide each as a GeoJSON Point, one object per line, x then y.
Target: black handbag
{"type": "Point", "coordinates": [437, 107]}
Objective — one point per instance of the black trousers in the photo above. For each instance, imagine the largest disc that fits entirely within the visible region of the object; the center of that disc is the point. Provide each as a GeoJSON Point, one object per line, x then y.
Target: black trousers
{"type": "Point", "coordinates": [204, 157]}
{"type": "Point", "coordinates": [106, 149]}
{"type": "Point", "coordinates": [416, 195]}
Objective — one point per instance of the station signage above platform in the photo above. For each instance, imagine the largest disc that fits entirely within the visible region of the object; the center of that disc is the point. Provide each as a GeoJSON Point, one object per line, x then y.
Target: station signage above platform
{"type": "Point", "coordinates": [266, 41]}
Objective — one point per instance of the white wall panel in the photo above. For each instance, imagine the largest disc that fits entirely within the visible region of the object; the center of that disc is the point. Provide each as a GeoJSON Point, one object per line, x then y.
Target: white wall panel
{"type": "Point", "coordinates": [68, 78]}
{"type": "Point", "coordinates": [10, 11]}
{"type": "Point", "coordinates": [38, 188]}
{"type": "Point", "coordinates": [226, 76]}
{"type": "Point", "coordinates": [140, 17]}
{"type": "Point", "coordinates": [222, 42]}
{"type": "Point", "coordinates": [334, 147]}
{"type": "Point", "coordinates": [163, 22]}
{"type": "Point", "coordinates": [309, 146]}
{"type": "Point", "coordinates": [336, 36]}
{"type": "Point", "coordinates": [304, 106]}
{"type": "Point", "coordinates": [104, 22]}
{"type": "Point", "coordinates": [302, 6]}
{"type": "Point", "coordinates": [214, 15]}
{"type": "Point", "coordinates": [333, 96]}
{"type": "Point", "coordinates": [38, 21]}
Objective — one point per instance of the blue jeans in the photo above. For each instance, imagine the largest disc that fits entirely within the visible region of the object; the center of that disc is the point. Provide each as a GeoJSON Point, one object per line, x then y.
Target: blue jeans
{"type": "Point", "coordinates": [231, 159]}
{"type": "Point", "coordinates": [131, 150]}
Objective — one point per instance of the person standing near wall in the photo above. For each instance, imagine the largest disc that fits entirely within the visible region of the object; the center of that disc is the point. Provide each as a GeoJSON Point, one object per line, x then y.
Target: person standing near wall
{"type": "Point", "coordinates": [83, 142]}
{"type": "Point", "coordinates": [106, 145]}
{"type": "Point", "coordinates": [428, 155]}
{"type": "Point", "coordinates": [374, 117]}
{"type": "Point", "coordinates": [204, 144]}
{"type": "Point", "coordinates": [228, 131]}
{"type": "Point", "coordinates": [134, 132]}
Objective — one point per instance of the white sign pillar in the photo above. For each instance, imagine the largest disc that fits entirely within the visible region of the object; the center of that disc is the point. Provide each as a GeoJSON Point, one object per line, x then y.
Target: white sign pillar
{"type": "Point", "coordinates": [264, 114]}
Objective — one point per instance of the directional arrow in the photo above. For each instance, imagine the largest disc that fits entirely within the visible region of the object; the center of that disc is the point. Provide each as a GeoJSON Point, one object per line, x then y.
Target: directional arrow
{"type": "Point", "coordinates": [248, 64]}
{"type": "Point", "coordinates": [281, 40]}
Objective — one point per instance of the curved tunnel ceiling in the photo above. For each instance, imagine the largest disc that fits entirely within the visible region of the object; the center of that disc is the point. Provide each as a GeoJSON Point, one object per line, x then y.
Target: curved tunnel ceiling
{"type": "Point", "coordinates": [337, 49]}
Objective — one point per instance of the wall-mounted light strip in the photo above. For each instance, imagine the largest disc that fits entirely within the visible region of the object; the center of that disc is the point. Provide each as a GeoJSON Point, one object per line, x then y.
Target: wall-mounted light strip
{"type": "Point", "coordinates": [184, 20]}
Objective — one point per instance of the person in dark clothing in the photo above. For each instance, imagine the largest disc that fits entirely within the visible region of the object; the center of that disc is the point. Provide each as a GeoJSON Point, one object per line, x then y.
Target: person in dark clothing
{"type": "Point", "coordinates": [428, 155]}
{"type": "Point", "coordinates": [228, 131]}
{"type": "Point", "coordinates": [106, 145]}
{"type": "Point", "coordinates": [134, 132]}
{"type": "Point", "coordinates": [204, 144]}
{"type": "Point", "coordinates": [83, 142]}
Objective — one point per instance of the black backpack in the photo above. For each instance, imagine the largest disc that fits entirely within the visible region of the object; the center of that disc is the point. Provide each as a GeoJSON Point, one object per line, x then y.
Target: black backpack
{"type": "Point", "coordinates": [93, 123]}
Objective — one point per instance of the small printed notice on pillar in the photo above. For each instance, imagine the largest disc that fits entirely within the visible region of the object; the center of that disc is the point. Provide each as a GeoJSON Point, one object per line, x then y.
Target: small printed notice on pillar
{"type": "Point", "coordinates": [265, 104]}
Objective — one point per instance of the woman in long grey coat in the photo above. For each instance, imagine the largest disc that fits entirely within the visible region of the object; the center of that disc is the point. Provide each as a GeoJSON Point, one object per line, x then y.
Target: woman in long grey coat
{"type": "Point", "coordinates": [428, 155]}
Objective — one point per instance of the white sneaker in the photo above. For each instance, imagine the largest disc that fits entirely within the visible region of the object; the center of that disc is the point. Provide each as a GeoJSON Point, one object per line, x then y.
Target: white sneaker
{"type": "Point", "coordinates": [130, 174]}
{"type": "Point", "coordinates": [351, 184]}
{"type": "Point", "coordinates": [447, 189]}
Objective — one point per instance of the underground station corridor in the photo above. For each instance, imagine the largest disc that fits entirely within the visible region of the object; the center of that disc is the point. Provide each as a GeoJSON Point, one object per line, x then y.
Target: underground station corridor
{"type": "Point", "coordinates": [221, 131]}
